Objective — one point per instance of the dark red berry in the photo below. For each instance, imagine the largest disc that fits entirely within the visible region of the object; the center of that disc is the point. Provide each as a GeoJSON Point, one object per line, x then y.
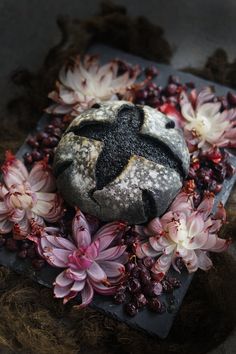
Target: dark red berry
{"type": "Point", "coordinates": [141, 95]}
{"type": "Point", "coordinates": [215, 156]}
{"type": "Point", "coordinates": [56, 122]}
{"type": "Point", "coordinates": [51, 141]}
{"type": "Point", "coordinates": [129, 266]}
{"type": "Point", "coordinates": [220, 172]}
{"type": "Point", "coordinates": [36, 155]}
{"type": "Point", "coordinates": [134, 285]}
{"type": "Point", "coordinates": [167, 286]}
{"type": "Point", "coordinates": [48, 152]}
{"type": "Point", "coordinates": [140, 300]}
{"type": "Point", "coordinates": [148, 262]}
{"type": "Point", "coordinates": [120, 298]}
{"type": "Point", "coordinates": [205, 174]}
{"type": "Point", "coordinates": [192, 173]}
{"type": "Point", "coordinates": [195, 164]}
{"type": "Point", "coordinates": [131, 309]}
{"type": "Point", "coordinates": [145, 277]}
{"type": "Point", "coordinates": [57, 132]}
{"type": "Point", "coordinates": [121, 289]}
{"type": "Point", "coordinates": [171, 89]}
{"type": "Point", "coordinates": [28, 158]}
{"type": "Point", "coordinates": [49, 129]}
{"type": "Point", "coordinates": [32, 142]}
{"type": "Point", "coordinates": [154, 304]}
{"type": "Point", "coordinates": [148, 289]}
{"type": "Point", "coordinates": [41, 135]}
{"type": "Point", "coordinates": [151, 72]}
{"type": "Point", "coordinates": [135, 272]}
{"type": "Point", "coordinates": [157, 288]}
{"type": "Point", "coordinates": [175, 282]}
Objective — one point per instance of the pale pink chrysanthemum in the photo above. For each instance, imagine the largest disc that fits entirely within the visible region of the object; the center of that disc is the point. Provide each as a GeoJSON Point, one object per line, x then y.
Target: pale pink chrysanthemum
{"type": "Point", "coordinates": [24, 196]}
{"type": "Point", "coordinates": [93, 263]}
{"type": "Point", "coordinates": [184, 232]}
{"type": "Point", "coordinates": [87, 83]}
{"type": "Point", "coordinates": [206, 125]}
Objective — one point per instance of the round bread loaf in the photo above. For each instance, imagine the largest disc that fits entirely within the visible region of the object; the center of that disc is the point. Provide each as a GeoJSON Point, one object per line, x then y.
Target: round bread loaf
{"type": "Point", "coordinates": [120, 161]}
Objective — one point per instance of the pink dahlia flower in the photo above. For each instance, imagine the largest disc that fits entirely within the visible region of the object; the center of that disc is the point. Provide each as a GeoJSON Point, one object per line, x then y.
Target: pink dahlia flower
{"type": "Point", "coordinates": [25, 196]}
{"type": "Point", "coordinates": [184, 232]}
{"type": "Point", "coordinates": [87, 83]}
{"type": "Point", "coordinates": [206, 125]}
{"type": "Point", "coordinates": [93, 263]}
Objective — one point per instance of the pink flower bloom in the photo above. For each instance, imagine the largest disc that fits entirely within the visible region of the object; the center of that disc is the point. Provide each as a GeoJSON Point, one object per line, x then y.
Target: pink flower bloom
{"type": "Point", "coordinates": [24, 196]}
{"type": "Point", "coordinates": [92, 263]}
{"type": "Point", "coordinates": [184, 232]}
{"type": "Point", "coordinates": [87, 83]}
{"type": "Point", "coordinates": [206, 126]}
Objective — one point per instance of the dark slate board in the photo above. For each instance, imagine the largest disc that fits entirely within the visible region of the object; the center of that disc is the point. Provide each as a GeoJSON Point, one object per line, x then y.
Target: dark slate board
{"type": "Point", "coordinates": [145, 320]}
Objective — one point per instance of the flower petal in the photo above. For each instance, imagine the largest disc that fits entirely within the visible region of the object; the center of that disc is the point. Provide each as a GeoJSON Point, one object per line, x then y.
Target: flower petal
{"type": "Point", "coordinates": [111, 253]}
{"type": "Point", "coordinates": [96, 272]}
{"type": "Point", "coordinates": [87, 294]}
{"type": "Point", "coordinates": [103, 289]}
{"type": "Point", "coordinates": [112, 269]}
{"type": "Point", "coordinates": [76, 274]}
{"type": "Point", "coordinates": [108, 233]}
{"type": "Point", "coordinates": [204, 262]}
{"type": "Point", "coordinates": [154, 227]}
{"type": "Point", "coordinates": [62, 280]}
{"type": "Point", "coordinates": [81, 232]}
{"type": "Point", "coordinates": [61, 291]}
{"type": "Point", "coordinates": [78, 286]}
{"type": "Point", "coordinates": [5, 226]}
{"type": "Point", "coordinates": [162, 265]}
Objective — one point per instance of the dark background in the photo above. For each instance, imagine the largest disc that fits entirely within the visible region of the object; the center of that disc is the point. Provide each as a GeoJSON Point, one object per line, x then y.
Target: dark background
{"type": "Point", "coordinates": [193, 28]}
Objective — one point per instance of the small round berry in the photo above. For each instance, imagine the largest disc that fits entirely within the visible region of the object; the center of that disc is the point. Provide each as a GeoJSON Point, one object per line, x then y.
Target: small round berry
{"type": "Point", "coordinates": [131, 309]}
{"type": "Point", "coordinates": [154, 304]}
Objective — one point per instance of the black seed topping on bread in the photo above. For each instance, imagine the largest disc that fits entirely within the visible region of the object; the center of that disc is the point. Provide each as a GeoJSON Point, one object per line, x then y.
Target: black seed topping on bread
{"type": "Point", "coordinates": [122, 139]}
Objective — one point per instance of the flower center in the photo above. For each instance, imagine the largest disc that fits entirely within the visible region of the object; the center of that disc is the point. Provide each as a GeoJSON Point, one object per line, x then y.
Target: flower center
{"type": "Point", "coordinates": [202, 126]}
{"type": "Point", "coordinates": [82, 258]}
{"type": "Point", "coordinates": [21, 197]}
{"type": "Point", "coordinates": [182, 232]}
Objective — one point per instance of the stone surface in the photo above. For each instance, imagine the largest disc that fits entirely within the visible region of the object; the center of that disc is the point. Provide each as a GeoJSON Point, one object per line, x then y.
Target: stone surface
{"type": "Point", "coordinates": [155, 324]}
{"type": "Point", "coordinates": [119, 161]}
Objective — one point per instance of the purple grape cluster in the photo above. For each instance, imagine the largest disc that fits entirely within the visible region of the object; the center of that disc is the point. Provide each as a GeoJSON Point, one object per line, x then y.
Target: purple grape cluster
{"type": "Point", "coordinates": [140, 290]}
{"type": "Point", "coordinates": [44, 142]}
{"type": "Point", "coordinates": [155, 96]}
{"type": "Point", "coordinates": [24, 249]}
{"type": "Point", "coordinates": [210, 170]}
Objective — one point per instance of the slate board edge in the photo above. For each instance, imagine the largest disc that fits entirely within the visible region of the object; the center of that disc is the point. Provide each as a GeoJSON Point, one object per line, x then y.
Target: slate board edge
{"type": "Point", "coordinates": [108, 53]}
